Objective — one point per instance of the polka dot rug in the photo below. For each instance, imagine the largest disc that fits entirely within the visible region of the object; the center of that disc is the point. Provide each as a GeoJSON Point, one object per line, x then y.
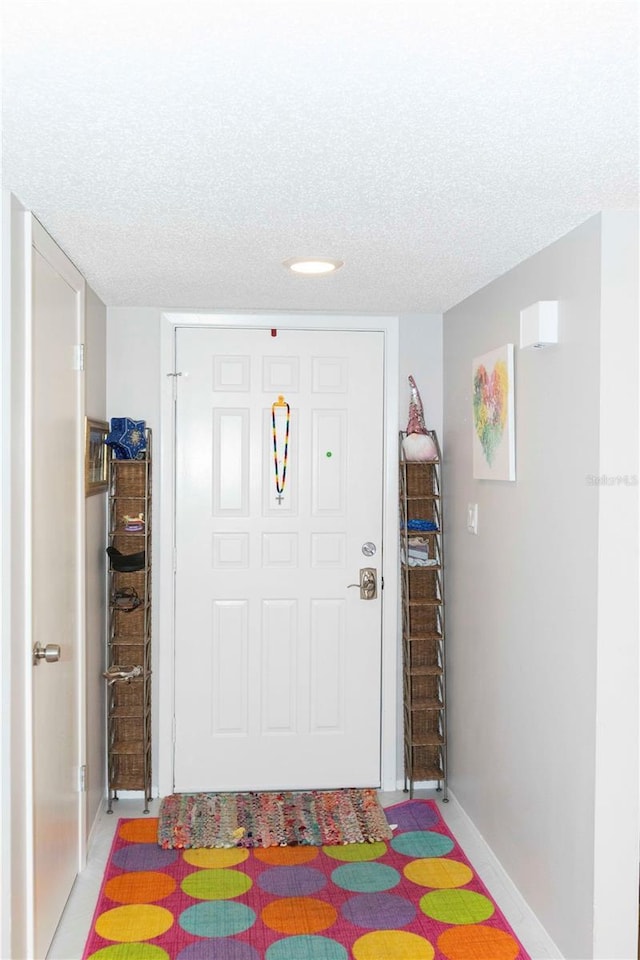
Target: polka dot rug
{"type": "Point", "coordinates": [414, 897]}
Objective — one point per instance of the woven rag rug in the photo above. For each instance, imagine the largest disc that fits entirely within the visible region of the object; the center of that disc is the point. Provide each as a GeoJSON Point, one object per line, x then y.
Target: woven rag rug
{"type": "Point", "coordinates": [270, 819]}
{"type": "Point", "coordinates": [414, 897]}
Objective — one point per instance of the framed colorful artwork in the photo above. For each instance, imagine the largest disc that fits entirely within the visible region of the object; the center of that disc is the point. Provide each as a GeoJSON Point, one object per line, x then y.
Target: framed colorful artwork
{"type": "Point", "coordinates": [494, 450]}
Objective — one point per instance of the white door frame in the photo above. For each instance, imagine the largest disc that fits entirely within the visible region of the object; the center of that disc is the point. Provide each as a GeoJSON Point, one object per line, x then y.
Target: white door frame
{"type": "Point", "coordinates": [165, 459]}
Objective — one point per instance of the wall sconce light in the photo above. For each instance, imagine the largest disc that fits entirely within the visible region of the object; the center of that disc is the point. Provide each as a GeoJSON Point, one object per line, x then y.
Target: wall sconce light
{"type": "Point", "coordinates": [539, 324]}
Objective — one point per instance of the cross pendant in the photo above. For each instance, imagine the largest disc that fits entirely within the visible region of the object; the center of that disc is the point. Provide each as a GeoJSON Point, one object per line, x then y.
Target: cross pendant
{"type": "Point", "coordinates": [279, 498]}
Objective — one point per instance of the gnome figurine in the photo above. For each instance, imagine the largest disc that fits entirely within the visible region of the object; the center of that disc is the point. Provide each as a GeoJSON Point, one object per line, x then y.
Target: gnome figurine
{"type": "Point", "coordinates": [417, 445]}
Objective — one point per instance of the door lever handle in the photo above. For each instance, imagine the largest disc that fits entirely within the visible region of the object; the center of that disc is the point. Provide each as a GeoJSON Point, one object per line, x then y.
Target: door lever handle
{"type": "Point", "coordinates": [368, 585]}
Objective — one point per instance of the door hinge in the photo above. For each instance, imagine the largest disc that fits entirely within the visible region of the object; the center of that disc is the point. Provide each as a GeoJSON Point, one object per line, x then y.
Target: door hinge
{"type": "Point", "coordinates": [82, 778]}
{"type": "Point", "coordinates": [175, 559]}
{"type": "Point", "coordinates": [174, 383]}
{"type": "Point", "coordinates": [78, 358]}
{"type": "Point", "coordinates": [173, 730]}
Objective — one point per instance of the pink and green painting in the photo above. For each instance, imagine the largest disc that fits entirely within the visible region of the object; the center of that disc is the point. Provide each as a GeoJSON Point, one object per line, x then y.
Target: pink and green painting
{"type": "Point", "coordinates": [493, 415]}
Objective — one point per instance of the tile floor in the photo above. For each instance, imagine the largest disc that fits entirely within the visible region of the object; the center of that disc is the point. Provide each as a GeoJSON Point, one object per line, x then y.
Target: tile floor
{"type": "Point", "coordinates": [73, 930]}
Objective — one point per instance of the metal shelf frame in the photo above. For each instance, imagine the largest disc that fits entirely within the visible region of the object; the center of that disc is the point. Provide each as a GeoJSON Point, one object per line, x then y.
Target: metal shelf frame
{"type": "Point", "coordinates": [129, 633]}
{"type": "Point", "coordinates": [423, 621]}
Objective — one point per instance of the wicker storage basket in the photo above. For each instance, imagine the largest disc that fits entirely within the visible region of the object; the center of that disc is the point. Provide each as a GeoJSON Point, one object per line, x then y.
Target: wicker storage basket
{"type": "Point", "coordinates": [131, 507]}
{"type": "Point", "coordinates": [127, 766]}
{"type": "Point", "coordinates": [127, 730]}
{"type": "Point", "coordinates": [128, 695]}
{"type": "Point", "coordinates": [424, 583]}
{"type": "Point", "coordinates": [426, 689]}
{"type": "Point", "coordinates": [420, 482]}
{"type": "Point", "coordinates": [127, 654]}
{"type": "Point", "coordinates": [135, 579]}
{"type": "Point", "coordinates": [130, 623]}
{"type": "Point", "coordinates": [425, 763]}
{"type": "Point", "coordinates": [422, 510]}
{"type": "Point", "coordinates": [128, 543]}
{"type": "Point", "coordinates": [131, 476]}
{"type": "Point", "coordinates": [424, 620]}
{"type": "Point", "coordinates": [424, 654]}
{"type": "Point", "coordinates": [426, 726]}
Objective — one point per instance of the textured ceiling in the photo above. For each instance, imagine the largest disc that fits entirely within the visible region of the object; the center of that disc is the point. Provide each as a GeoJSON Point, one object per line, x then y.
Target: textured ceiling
{"type": "Point", "coordinates": [179, 152]}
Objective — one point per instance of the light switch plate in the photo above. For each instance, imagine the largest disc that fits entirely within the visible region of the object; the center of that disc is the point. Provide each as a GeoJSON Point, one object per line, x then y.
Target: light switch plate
{"type": "Point", "coordinates": [472, 518]}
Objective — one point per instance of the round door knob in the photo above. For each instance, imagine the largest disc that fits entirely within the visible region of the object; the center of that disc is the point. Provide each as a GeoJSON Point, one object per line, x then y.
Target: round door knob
{"type": "Point", "coordinates": [50, 653]}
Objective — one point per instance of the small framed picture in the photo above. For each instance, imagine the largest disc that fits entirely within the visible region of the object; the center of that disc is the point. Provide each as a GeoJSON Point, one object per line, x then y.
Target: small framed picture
{"type": "Point", "coordinates": [95, 456]}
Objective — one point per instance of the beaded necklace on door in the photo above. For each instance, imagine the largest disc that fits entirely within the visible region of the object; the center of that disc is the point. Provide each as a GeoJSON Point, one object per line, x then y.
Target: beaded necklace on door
{"type": "Point", "coordinates": [280, 482]}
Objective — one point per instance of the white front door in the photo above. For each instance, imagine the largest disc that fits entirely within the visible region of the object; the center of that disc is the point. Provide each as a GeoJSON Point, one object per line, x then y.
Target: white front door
{"type": "Point", "coordinates": [56, 580]}
{"type": "Point", "coordinates": [277, 657]}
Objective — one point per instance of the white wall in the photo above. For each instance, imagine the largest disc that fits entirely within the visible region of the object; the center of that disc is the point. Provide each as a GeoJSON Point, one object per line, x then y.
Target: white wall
{"type": "Point", "coordinates": [523, 628]}
{"type": "Point", "coordinates": [134, 382]}
{"type": "Point", "coordinates": [133, 358]}
{"type": "Point", "coordinates": [421, 355]}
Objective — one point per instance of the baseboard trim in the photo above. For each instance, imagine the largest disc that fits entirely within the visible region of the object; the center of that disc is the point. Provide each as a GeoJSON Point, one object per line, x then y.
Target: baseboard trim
{"type": "Point", "coordinates": [495, 877]}
{"type": "Point", "coordinates": [418, 785]}
{"type": "Point", "coordinates": [94, 825]}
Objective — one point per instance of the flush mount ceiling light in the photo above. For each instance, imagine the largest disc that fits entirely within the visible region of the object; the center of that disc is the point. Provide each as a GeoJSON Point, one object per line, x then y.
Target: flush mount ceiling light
{"type": "Point", "coordinates": [312, 266]}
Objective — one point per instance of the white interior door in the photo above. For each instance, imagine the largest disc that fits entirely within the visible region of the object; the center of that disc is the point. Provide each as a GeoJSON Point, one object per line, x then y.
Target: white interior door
{"type": "Point", "coordinates": [277, 658]}
{"type": "Point", "coordinates": [56, 581]}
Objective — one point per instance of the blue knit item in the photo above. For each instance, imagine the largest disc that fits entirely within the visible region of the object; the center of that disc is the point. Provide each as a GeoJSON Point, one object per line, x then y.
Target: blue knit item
{"type": "Point", "coordinates": [421, 525]}
{"type": "Point", "coordinates": [128, 439]}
